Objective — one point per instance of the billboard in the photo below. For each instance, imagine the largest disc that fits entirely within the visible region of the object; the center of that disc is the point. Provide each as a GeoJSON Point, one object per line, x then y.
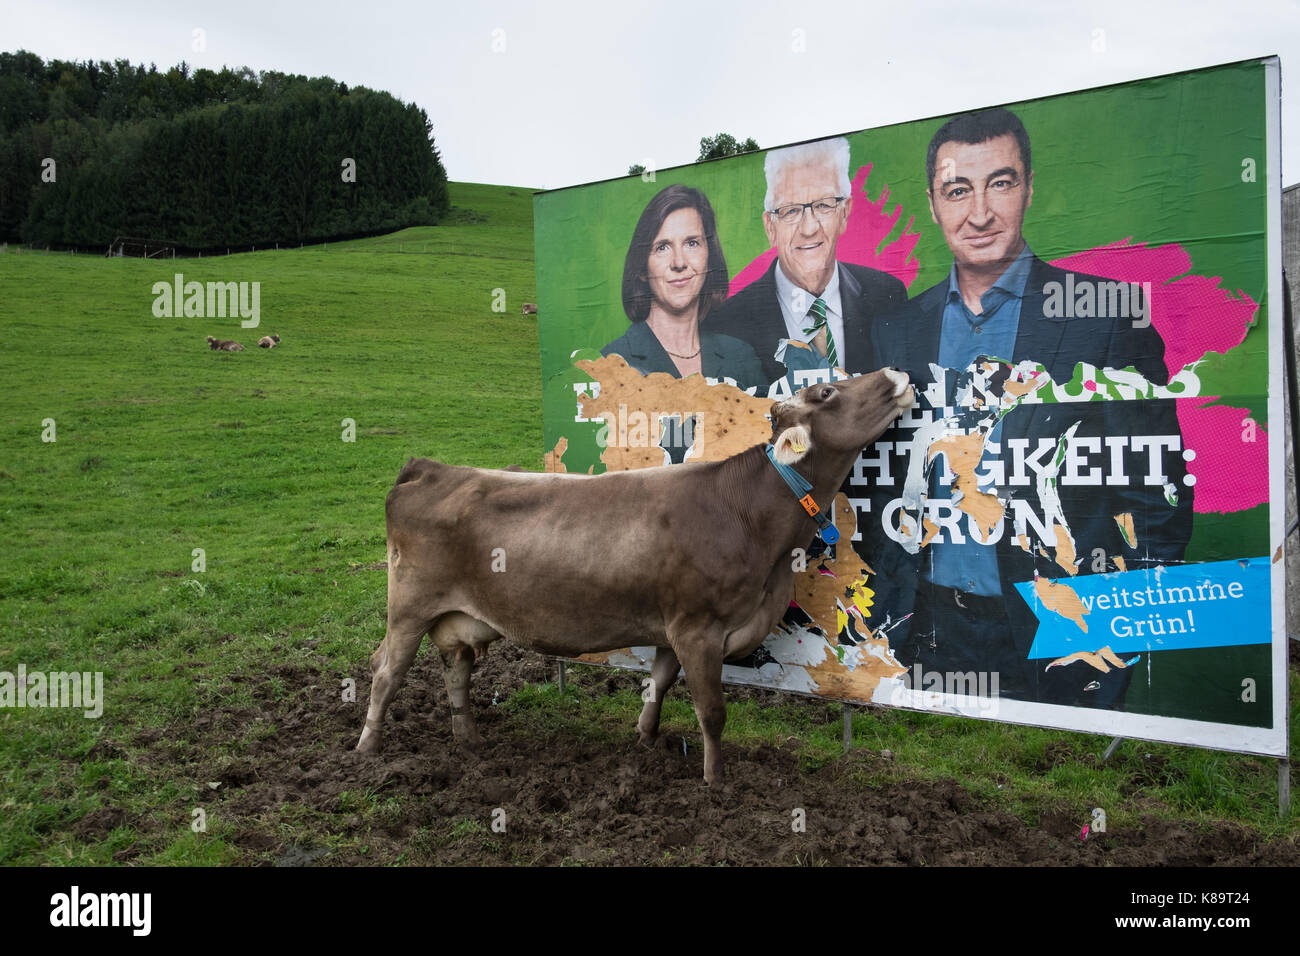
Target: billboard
{"type": "Point", "coordinates": [1079, 524]}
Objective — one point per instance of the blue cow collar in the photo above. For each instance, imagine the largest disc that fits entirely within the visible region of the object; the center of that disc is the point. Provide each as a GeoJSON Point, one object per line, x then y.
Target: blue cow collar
{"type": "Point", "coordinates": [801, 488]}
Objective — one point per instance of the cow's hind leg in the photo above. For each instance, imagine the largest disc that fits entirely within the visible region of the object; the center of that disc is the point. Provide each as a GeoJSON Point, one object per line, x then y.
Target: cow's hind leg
{"type": "Point", "coordinates": [662, 676]}
{"type": "Point", "coordinates": [388, 667]}
{"type": "Point", "coordinates": [461, 639]}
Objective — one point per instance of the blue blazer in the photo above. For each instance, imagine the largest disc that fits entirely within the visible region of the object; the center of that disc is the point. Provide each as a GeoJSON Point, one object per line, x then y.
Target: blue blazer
{"type": "Point", "coordinates": [721, 356]}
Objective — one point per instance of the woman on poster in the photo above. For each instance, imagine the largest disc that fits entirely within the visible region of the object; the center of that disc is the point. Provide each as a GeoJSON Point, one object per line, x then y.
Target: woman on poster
{"type": "Point", "coordinates": [674, 274]}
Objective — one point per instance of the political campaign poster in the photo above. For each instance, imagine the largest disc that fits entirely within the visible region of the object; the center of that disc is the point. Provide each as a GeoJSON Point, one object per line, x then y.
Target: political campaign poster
{"type": "Point", "coordinates": [1079, 521]}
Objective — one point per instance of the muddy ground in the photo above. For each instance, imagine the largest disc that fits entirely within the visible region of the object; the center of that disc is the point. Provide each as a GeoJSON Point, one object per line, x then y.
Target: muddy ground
{"type": "Point", "coordinates": [298, 795]}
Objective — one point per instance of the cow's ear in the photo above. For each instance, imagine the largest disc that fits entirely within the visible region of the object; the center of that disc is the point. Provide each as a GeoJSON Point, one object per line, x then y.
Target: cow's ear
{"type": "Point", "coordinates": [776, 414]}
{"type": "Point", "coordinates": [792, 444]}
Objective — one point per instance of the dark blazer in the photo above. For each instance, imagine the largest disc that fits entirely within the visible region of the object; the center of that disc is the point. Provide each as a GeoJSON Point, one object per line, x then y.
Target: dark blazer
{"type": "Point", "coordinates": [909, 340]}
{"type": "Point", "coordinates": [721, 356]}
{"type": "Point", "coordinates": [753, 315]}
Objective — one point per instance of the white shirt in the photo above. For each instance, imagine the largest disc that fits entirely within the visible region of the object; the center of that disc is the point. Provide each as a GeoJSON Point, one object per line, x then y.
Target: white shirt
{"type": "Point", "coordinates": [792, 296]}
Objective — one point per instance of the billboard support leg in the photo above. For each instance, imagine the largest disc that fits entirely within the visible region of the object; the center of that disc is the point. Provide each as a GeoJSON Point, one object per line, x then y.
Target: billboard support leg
{"type": "Point", "coordinates": [1110, 751]}
{"type": "Point", "coordinates": [561, 677]}
{"type": "Point", "coordinates": [848, 727]}
{"type": "Point", "coordinates": [1289, 329]}
{"type": "Point", "coordinates": [1284, 764]}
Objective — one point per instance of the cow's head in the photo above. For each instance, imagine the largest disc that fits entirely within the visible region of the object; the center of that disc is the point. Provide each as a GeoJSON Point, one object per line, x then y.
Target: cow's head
{"type": "Point", "coordinates": [840, 418]}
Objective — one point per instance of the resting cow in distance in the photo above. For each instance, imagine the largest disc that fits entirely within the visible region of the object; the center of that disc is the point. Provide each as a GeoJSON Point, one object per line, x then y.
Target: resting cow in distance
{"type": "Point", "coordinates": [224, 345]}
{"type": "Point", "coordinates": [695, 559]}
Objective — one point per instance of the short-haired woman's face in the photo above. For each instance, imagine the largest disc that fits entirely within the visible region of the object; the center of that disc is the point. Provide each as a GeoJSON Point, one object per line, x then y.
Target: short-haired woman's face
{"type": "Point", "coordinates": [678, 262]}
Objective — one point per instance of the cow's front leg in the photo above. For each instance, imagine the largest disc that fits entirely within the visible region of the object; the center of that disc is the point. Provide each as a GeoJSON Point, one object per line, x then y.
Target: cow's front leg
{"type": "Point", "coordinates": [662, 676]}
{"type": "Point", "coordinates": [456, 670]}
{"type": "Point", "coordinates": [701, 657]}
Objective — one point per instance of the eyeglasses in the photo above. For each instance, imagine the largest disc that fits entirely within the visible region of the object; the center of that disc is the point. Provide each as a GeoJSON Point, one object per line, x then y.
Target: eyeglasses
{"type": "Point", "coordinates": [791, 213]}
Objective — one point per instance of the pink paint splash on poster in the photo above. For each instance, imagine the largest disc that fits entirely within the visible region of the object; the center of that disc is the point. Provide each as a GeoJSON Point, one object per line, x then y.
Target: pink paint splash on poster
{"type": "Point", "coordinates": [1191, 312]}
{"type": "Point", "coordinates": [1231, 463]}
{"type": "Point", "coordinates": [1194, 317]}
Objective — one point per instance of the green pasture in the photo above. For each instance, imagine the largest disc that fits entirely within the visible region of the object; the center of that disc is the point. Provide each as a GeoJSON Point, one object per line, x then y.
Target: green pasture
{"type": "Point", "coordinates": [163, 447]}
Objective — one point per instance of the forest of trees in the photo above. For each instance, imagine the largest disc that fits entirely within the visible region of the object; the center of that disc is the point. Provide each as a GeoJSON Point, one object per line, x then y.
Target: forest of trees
{"type": "Point", "coordinates": [205, 159]}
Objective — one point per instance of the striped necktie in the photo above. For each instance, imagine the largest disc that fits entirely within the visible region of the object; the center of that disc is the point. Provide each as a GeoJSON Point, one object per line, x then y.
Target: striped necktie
{"type": "Point", "coordinates": [823, 341]}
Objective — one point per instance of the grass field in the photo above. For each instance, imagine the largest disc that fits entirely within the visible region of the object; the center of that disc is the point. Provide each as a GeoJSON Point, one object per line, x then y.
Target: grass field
{"type": "Point", "coordinates": [163, 447]}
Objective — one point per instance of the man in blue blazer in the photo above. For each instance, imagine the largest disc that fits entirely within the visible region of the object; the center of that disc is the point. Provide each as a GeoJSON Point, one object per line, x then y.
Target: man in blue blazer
{"type": "Point", "coordinates": [807, 296]}
{"type": "Point", "coordinates": [1001, 301]}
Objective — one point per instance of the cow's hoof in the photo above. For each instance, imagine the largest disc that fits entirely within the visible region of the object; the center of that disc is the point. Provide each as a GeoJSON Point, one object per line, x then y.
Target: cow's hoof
{"type": "Point", "coordinates": [465, 732]}
{"type": "Point", "coordinates": [646, 739]}
{"type": "Point", "coordinates": [369, 743]}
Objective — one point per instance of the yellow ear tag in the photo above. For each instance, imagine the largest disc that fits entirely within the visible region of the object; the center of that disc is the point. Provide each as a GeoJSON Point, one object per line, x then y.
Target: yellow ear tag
{"type": "Point", "coordinates": [799, 448]}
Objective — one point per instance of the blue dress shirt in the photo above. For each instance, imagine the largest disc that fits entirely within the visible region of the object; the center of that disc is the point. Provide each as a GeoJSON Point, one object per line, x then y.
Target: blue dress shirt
{"type": "Point", "coordinates": [970, 566]}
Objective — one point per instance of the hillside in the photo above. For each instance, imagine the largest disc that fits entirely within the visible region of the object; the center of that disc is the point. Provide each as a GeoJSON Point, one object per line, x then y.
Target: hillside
{"type": "Point", "coordinates": [163, 446]}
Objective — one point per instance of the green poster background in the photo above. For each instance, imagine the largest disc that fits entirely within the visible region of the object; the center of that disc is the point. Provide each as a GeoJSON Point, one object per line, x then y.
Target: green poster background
{"type": "Point", "coordinates": [1162, 161]}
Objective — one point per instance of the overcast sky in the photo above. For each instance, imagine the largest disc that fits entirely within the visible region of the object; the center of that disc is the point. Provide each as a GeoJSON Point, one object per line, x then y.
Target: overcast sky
{"type": "Point", "coordinates": [553, 94]}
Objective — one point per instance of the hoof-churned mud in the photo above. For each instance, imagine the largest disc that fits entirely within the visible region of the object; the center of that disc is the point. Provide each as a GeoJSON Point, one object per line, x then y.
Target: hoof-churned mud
{"type": "Point", "coordinates": [296, 793]}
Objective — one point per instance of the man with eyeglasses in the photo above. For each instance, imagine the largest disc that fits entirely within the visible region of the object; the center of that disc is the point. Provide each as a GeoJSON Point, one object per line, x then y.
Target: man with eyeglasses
{"type": "Point", "coordinates": [952, 604]}
{"type": "Point", "coordinates": [822, 306]}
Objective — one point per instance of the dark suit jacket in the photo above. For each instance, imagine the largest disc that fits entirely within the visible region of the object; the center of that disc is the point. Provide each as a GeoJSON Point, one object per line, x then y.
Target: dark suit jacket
{"type": "Point", "coordinates": [721, 356]}
{"type": "Point", "coordinates": [753, 315]}
{"type": "Point", "coordinates": [909, 340]}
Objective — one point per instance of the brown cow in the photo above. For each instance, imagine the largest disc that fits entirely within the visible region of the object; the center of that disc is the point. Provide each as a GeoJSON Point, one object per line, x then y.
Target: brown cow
{"type": "Point", "coordinates": [224, 345]}
{"type": "Point", "coordinates": [695, 560]}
